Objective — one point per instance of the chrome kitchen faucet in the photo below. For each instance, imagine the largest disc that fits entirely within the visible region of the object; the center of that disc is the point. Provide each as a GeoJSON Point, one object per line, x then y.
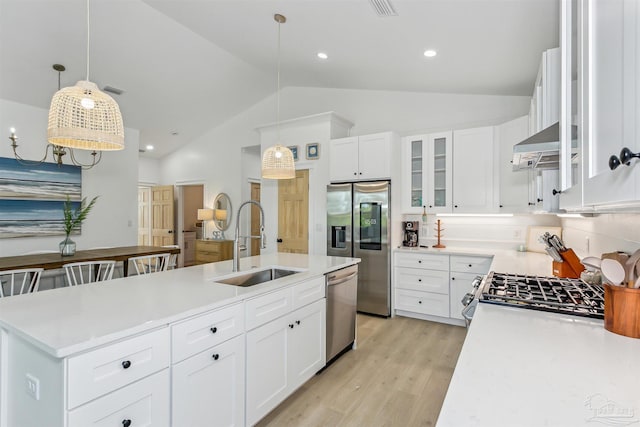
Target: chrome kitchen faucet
{"type": "Point", "coordinates": [236, 241]}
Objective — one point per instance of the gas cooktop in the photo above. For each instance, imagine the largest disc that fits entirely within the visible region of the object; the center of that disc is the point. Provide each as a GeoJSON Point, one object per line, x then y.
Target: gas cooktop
{"type": "Point", "coordinates": [568, 296]}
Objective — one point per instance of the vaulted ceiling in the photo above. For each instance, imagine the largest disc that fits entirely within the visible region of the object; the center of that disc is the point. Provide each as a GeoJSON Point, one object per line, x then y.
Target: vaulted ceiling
{"type": "Point", "coordinates": [186, 66]}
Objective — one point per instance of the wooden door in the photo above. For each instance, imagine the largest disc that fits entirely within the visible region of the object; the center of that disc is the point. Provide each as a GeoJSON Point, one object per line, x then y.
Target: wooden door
{"type": "Point", "coordinates": [144, 235]}
{"type": "Point", "coordinates": [162, 215]}
{"type": "Point", "coordinates": [293, 213]}
{"type": "Point", "coordinates": [255, 219]}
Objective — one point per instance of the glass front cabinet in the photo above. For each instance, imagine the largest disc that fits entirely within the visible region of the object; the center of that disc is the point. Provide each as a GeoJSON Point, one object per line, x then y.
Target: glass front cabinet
{"type": "Point", "coordinates": [427, 173]}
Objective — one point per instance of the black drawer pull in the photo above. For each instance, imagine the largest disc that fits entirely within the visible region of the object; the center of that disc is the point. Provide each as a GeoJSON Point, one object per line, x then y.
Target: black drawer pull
{"type": "Point", "coordinates": [214, 330]}
{"type": "Point", "coordinates": [126, 364]}
{"type": "Point", "coordinates": [297, 322]}
{"type": "Point", "coordinates": [215, 356]}
{"type": "Point", "coordinates": [453, 278]}
{"type": "Point", "coordinates": [419, 280]}
{"type": "Point", "coordinates": [126, 423]}
{"type": "Point", "coordinates": [291, 325]}
{"type": "Point", "coordinates": [470, 265]}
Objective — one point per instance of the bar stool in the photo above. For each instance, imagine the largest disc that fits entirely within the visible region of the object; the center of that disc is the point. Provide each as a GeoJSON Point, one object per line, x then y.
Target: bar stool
{"type": "Point", "coordinates": [173, 258]}
{"type": "Point", "coordinates": [146, 264]}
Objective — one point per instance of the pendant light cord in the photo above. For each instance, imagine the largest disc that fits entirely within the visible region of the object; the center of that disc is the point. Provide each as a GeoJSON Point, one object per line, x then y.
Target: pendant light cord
{"type": "Point", "coordinates": [278, 91]}
{"type": "Point", "coordinates": [88, 39]}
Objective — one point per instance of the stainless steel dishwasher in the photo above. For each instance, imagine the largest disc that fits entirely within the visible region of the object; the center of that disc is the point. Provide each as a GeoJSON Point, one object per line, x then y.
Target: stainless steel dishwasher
{"type": "Point", "coordinates": [342, 296]}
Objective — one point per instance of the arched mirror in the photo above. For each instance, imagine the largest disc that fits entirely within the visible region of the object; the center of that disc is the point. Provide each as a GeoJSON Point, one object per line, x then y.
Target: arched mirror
{"type": "Point", "coordinates": [222, 211]}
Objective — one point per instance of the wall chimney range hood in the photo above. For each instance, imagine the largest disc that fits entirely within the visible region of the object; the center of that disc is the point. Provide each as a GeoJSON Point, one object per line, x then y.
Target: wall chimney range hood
{"type": "Point", "coordinates": [542, 150]}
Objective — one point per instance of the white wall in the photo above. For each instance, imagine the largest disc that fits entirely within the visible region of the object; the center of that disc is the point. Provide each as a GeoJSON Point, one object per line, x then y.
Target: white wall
{"type": "Point", "coordinates": [603, 233]}
{"type": "Point", "coordinates": [113, 221]}
{"type": "Point", "coordinates": [148, 171]}
{"type": "Point", "coordinates": [215, 157]}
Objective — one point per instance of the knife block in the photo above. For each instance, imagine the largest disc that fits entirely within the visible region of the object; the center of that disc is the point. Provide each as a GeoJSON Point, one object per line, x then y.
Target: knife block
{"type": "Point", "coordinates": [570, 268]}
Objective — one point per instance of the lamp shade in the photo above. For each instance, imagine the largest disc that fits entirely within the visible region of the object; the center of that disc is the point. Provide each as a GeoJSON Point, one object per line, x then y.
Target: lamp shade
{"type": "Point", "coordinates": [221, 214]}
{"type": "Point", "coordinates": [84, 117]}
{"type": "Point", "coordinates": [205, 214]}
{"type": "Point", "coordinates": [277, 163]}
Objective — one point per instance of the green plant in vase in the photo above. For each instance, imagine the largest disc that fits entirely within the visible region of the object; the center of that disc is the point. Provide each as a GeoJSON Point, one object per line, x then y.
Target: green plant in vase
{"type": "Point", "coordinates": [72, 220]}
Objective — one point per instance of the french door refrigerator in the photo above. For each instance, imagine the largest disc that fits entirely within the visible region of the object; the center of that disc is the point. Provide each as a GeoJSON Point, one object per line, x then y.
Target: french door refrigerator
{"type": "Point", "coordinates": [358, 226]}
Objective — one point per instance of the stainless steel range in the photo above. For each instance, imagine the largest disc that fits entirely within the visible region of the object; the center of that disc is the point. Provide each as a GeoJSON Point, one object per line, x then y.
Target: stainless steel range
{"type": "Point", "coordinates": [568, 296]}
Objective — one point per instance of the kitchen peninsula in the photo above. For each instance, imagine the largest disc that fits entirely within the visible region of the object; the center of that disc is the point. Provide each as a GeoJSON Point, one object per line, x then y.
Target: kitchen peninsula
{"type": "Point", "coordinates": [141, 348]}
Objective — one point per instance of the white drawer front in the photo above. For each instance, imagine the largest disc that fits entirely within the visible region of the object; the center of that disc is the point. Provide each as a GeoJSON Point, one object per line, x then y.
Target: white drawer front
{"type": "Point", "coordinates": [98, 372]}
{"type": "Point", "coordinates": [423, 302]}
{"type": "Point", "coordinates": [308, 292]}
{"type": "Point", "coordinates": [418, 260]}
{"type": "Point", "coordinates": [198, 334]}
{"type": "Point", "coordinates": [470, 264]}
{"type": "Point", "coordinates": [265, 308]}
{"type": "Point", "coordinates": [144, 403]}
{"type": "Point", "coordinates": [422, 280]}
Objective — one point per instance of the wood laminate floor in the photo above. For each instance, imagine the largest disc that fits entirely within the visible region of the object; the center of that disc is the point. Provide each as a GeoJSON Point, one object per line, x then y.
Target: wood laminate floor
{"type": "Point", "coordinates": [398, 376]}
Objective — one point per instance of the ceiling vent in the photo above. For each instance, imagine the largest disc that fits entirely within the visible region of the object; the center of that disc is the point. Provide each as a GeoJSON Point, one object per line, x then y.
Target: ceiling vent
{"type": "Point", "coordinates": [113, 90]}
{"type": "Point", "coordinates": [383, 7]}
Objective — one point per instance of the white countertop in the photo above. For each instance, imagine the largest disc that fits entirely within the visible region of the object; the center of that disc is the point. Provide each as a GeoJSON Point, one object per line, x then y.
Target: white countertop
{"type": "Point", "coordinates": [530, 368]}
{"type": "Point", "coordinates": [504, 261]}
{"type": "Point", "coordinates": [72, 319]}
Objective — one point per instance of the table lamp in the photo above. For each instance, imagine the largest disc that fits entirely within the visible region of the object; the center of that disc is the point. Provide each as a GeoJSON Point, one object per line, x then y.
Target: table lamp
{"type": "Point", "coordinates": [205, 215]}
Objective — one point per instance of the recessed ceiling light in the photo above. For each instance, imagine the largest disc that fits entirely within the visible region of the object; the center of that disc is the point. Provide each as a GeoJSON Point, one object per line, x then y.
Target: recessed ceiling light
{"type": "Point", "coordinates": [174, 133]}
{"type": "Point", "coordinates": [149, 147]}
{"type": "Point", "coordinates": [322, 55]}
{"type": "Point", "coordinates": [430, 53]}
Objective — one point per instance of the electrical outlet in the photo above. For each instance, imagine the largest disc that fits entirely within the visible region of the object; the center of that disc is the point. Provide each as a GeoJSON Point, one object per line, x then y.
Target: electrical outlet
{"type": "Point", "coordinates": [517, 234]}
{"type": "Point", "coordinates": [33, 386]}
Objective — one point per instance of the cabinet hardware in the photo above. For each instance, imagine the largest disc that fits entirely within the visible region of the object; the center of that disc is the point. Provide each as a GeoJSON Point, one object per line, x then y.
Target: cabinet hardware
{"type": "Point", "coordinates": [216, 356]}
{"type": "Point", "coordinates": [501, 206]}
{"type": "Point", "coordinates": [291, 325]}
{"type": "Point", "coordinates": [126, 364]}
{"type": "Point", "coordinates": [614, 162]}
{"type": "Point", "coordinates": [355, 173]}
{"type": "Point", "coordinates": [297, 322]}
{"type": "Point", "coordinates": [539, 200]}
{"type": "Point", "coordinates": [126, 423]}
{"type": "Point", "coordinates": [430, 206]}
{"type": "Point", "coordinates": [626, 155]}
{"type": "Point", "coordinates": [419, 261]}
{"type": "Point", "coordinates": [214, 330]}
{"type": "Point", "coordinates": [453, 278]}
{"type": "Point", "coordinates": [455, 206]}
{"type": "Point", "coordinates": [556, 192]}
{"type": "Point", "coordinates": [419, 280]}
{"type": "Point", "coordinates": [279, 240]}
{"type": "Point", "coordinates": [419, 302]}
{"type": "Point", "coordinates": [470, 265]}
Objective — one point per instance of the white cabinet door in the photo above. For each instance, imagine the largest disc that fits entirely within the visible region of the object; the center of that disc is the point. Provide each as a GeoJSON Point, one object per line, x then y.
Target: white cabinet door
{"type": "Point", "coordinates": [266, 368]}
{"type": "Point", "coordinates": [459, 286]}
{"type": "Point", "coordinates": [343, 159]}
{"type": "Point", "coordinates": [144, 403]}
{"type": "Point", "coordinates": [473, 179]}
{"type": "Point", "coordinates": [414, 160]}
{"type": "Point", "coordinates": [611, 94]}
{"type": "Point", "coordinates": [439, 172]}
{"type": "Point", "coordinates": [306, 343]}
{"type": "Point", "coordinates": [208, 388]}
{"type": "Point", "coordinates": [514, 186]}
{"type": "Point", "coordinates": [374, 156]}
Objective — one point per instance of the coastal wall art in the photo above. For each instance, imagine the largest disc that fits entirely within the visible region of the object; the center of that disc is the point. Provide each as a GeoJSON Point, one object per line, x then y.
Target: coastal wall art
{"type": "Point", "coordinates": [32, 197]}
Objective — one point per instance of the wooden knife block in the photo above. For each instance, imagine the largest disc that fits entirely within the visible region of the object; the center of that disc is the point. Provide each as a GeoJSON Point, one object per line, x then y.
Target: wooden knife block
{"type": "Point", "coordinates": [570, 268]}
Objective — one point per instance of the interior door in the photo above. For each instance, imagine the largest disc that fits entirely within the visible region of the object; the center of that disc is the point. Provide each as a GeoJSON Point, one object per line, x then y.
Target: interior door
{"type": "Point", "coordinates": [144, 205]}
{"type": "Point", "coordinates": [293, 213]}
{"type": "Point", "coordinates": [162, 215]}
{"type": "Point", "coordinates": [255, 219]}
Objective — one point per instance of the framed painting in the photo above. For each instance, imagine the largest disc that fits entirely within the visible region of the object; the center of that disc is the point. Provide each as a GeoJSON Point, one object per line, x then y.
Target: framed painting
{"type": "Point", "coordinates": [294, 150]}
{"type": "Point", "coordinates": [32, 197]}
{"type": "Point", "coordinates": [313, 151]}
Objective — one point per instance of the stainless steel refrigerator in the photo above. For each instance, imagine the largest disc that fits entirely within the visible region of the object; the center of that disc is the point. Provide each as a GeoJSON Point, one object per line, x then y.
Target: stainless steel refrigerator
{"type": "Point", "coordinates": [358, 218]}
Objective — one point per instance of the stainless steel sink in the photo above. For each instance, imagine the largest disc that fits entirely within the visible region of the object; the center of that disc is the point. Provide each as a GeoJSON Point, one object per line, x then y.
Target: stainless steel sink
{"type": "Point", "coordinates": [257, 277]}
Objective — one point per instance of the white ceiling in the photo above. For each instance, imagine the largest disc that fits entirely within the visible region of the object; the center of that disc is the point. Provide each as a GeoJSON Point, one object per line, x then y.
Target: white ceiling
{"type": "Point", "coordinates": [189, 65]}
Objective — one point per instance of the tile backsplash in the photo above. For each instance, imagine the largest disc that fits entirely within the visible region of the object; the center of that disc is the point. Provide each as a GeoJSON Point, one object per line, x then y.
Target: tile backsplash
{"type": "Point", "coordinates": [602, 233]}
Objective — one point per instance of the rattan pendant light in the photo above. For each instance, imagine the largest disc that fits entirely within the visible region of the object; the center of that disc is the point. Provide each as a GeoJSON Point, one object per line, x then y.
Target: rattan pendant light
{"type": "Point", "coordinates": [277, 161]}
{"type": "Point", "coordinates": [84, 117]}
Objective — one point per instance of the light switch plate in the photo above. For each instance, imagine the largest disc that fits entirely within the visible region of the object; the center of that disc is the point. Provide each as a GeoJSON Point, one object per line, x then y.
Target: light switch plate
{"type": "Point", "coordinates": [33, 386]}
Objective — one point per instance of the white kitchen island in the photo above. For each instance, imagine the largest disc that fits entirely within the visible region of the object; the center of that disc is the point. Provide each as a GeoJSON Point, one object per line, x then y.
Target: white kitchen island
{"type": "Point", "coordinates": [144, 350]}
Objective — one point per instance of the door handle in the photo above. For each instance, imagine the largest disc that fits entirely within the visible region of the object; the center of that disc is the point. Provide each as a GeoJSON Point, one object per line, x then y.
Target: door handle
{"type": "Point", "coordinates": [170, 231]}
{"type": "Point", "coordinates": [279, 240]}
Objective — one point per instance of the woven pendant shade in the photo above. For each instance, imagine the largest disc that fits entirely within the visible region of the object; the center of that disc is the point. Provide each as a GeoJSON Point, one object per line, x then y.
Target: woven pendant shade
{"type": "Point", "coordinates": [277, 163]}
{"type": "Point", "coordinates": [84, 117]}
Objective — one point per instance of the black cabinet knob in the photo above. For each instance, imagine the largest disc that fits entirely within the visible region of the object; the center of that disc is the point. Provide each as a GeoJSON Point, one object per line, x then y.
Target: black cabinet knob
{"type": "Point", "coordinates": [539, 200]}
{"type": "Point", "coordinates": [355, 173]}
{"type": "Point", "coordinates": [556, 192]}
{"type": "Point", "coordinates": [455, 206]}
{"type": "Point", "coordinates": [215, 356]}
{"type": "Point", "coordinates": [360, 173]}
{"type": "Point", "coordinates": [291, 325]}
{"type": "Point", "coordinates": [430, 206]}
{"type": "Point", "coordinates": [419, 302]}
{"type": "Point", "coordinates": [470, 265]}
{"type": "Point", "coordinates": [126, 423]}
{"type": "Point", "coordinates": [453, 278]}
{"type": "Point", "coordinates": [419, 280]}
{"type": "Point", "coordinates": [126, 364]}
{"type": "Point", "coordinates": [214, 330]}
{"type": "Point", "coordinates": [531, 203]}
{"type": "Point", "coordinates": [419, 261]}
{"type": "Point", "coordinates": [501, 206]}
{"type": "Point", "coordinates": [297, 322]}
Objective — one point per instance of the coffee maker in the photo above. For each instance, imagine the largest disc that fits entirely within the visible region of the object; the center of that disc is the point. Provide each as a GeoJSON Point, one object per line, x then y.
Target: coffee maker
{"type": "Point", "coordinates": [410, 233]}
